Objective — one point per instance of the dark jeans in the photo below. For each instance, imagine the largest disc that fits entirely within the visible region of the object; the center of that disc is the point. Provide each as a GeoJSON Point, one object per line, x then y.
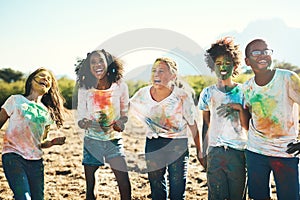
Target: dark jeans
{"type": "Point", "coordinates": [167, 155]}
{"type": "Point", "coordinates": [226, 173]}
{"type": "Point", "coordinates": [285, 172]}
{"type": "Point", "coordinates": [25, 177]}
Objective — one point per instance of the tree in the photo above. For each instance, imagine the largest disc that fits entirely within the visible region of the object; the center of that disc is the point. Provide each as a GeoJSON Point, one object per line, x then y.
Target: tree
{"type": "Point", "coordinates": [8, 75]}
{"type": "Point", "coordinates": [285, 65]}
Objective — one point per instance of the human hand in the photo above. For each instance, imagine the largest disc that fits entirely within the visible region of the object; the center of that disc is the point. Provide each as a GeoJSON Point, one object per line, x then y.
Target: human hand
{"type": "Point", "coordinates": [202, 159]}
{"type": "Point", "coordinates": [55, 141]}
{"type": "Point", "coordinates": [86, 123]}
{"type": "Point", "coordinates": [225, 110]}
{"type": "Point", "coordinates": [293, 147]}
{"type": "Point", "coordinates": [46, 144]}
{"type": "Point", "coordinates": [58, 141]}
{"type": "Point", "coordinates": [119, 126]}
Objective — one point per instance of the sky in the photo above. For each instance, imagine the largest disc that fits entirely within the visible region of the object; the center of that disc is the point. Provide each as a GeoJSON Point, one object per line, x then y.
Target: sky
{"type": "Point", "coordinates": [55, 33]}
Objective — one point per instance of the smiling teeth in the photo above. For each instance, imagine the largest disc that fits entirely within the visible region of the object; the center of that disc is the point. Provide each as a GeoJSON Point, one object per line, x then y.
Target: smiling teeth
{"type": "Point", "coordinates": [99, 71]}
{"type": "Point", "coordinates": [262, 62]}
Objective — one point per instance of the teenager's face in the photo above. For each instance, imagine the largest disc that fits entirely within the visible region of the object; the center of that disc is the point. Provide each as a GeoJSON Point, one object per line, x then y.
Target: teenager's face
{"type": "Point", "coordinates": [161, 74]}
{"type": "Point", "coordinates": [98, 65]}
{"type": "Point", "coordinates": [258, 62]}
{"type": "Point", "coordinates": [223, 67]}
{"type": "Point", "coordinates": [42, 82]}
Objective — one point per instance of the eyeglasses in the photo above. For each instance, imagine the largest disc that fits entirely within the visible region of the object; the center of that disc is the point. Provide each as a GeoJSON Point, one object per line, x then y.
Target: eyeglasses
{"type": "Point", "coordinates": [263, 52]}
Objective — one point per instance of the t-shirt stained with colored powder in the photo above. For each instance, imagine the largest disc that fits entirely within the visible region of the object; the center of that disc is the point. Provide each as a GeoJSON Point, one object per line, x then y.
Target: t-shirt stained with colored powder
{"type": "Point", "coordinates": [223, 131]}
{"type": "Point", "coordinates": [103, 107]}
{"type": "Point", "coordinates": [274, 109]}
{"type": "Point", "coordinates": [27, 121]}
{"type": "Point", "coordinates": [168, 118]}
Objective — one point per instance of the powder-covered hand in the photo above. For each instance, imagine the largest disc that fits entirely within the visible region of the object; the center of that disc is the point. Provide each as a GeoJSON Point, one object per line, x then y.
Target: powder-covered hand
{"type": "Point", "coordinates": [293, 147]}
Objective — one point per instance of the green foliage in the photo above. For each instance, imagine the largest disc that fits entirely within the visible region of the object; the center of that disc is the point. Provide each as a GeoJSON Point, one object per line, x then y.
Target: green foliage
{"type": "Point", "coordinates": [243, 77]}
{"type": "Point", "coordinates": [133, 86]}
{"type": "Point", "coordinates": [9, 75]}
{"type": "Point", "coordinates": [7, 89]}
{"type": "Point", "coordinates": [199, 82]}
{"type": "Point", "coordinates": [66, 87]}
{"type": "Point", "coordinates": [285, 65]}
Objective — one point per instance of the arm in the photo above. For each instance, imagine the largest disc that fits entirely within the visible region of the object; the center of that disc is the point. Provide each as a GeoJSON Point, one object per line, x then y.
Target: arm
{"type": "Point", "coordinates": [3, 117]}
{"type": "Point", "coordinates": [119, 125]}
{"type": "Point", "coordinates": [206, 123]}
{"type": "Point", "coordinates": [49, 143]}
{"type": "Point", "coordinates": [198, 142]}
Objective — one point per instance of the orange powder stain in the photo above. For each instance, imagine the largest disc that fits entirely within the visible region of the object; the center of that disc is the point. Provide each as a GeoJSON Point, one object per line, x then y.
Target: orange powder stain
{"type": "Point", "coordinates": [102, 99]}
{"type": "Point", "coordinates": [274, 130]}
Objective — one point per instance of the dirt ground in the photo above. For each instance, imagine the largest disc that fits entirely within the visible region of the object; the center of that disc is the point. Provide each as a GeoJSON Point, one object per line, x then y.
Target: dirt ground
{"type": "Point", "coordinates": [64, 175]}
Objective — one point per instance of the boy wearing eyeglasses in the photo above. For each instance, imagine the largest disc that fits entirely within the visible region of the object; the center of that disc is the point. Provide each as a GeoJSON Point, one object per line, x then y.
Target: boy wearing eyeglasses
{"type": "Point", "coordinates": [272, 97]}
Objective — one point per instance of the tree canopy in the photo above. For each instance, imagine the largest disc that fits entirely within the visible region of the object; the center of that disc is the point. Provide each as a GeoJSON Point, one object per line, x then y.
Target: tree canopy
{"type": "Point", "coordinates": [9, 75]}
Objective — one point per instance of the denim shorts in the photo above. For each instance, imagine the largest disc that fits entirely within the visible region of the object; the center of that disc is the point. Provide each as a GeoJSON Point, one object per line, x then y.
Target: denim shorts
{"type": "Point", "coordinates": [95, 151]}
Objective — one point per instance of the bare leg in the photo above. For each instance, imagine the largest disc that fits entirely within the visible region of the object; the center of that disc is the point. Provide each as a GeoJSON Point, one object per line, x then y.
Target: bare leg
{"type": "Point", "coordinates": [90, 181]}
{"type": "Point", "coordinates": [119, 167]}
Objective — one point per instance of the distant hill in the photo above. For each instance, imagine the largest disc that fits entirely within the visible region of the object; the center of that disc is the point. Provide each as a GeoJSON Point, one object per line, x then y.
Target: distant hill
{"type": "Point", "coordinates": [139, 73]}
{"type": "Point", "coordinates": [282, 39]}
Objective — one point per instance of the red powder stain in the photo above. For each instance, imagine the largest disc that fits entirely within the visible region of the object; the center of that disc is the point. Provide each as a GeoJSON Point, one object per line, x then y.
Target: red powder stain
{"type": "Point", "coordinates": [102, 99]}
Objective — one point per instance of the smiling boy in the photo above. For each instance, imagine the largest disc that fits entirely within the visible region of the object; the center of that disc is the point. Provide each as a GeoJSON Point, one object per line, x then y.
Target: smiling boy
{"type": "Point", "coordinates": [227, 121]}
{"type": "Point", "coordinates": [272, 97]}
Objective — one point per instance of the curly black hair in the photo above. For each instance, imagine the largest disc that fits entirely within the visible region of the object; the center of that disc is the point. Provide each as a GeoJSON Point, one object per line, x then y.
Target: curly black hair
{"type": "Point", "coordinates": [247, 49]}
{"type": "Point", "coordinates": [224, 46]}
{"type": "Point", "coordinates": [86, 79]}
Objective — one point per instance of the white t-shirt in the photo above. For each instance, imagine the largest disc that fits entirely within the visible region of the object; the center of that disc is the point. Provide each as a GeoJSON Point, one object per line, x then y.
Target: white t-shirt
{"type": "Point", "coordinates": [274, 110]}
{"type": "Point", "coordinates": [27, 121]}
{"type": "Point", "coordinates": [167, 118]}
{"type": "Point", "coordinates": [109, 105]}
{"type": "Point", "coordinates": [223, 131]}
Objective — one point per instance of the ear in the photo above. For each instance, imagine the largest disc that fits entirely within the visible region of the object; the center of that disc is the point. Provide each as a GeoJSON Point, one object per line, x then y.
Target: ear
{"type": "Point", "coordinates": [173, 77]}
{"type": "Point", "coordinates": [247, 61]}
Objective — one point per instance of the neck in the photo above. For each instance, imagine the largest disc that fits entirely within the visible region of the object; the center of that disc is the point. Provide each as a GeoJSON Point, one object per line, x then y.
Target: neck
{"type": "Point", "coordinates": [264, 78]}
{"type": "Point", "coordinates": [225, 85]}
{"type": "Point", "coordinates": [103, 84]}
{"type": "Point", "coordinates": [35, 97]}
{"type": "Point", "coordinates": [160, 93]}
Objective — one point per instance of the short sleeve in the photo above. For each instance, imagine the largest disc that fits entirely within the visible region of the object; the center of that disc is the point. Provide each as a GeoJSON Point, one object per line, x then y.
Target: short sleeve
{"type": "Point", "coordinates": [82, 104]}
{"type": "Point", "coordinates": [124, 101]}
{"type": "Point", "coordinates": [189, 108]}
{"type": "Point", "coordinates": [9, 105]}
{"type": "Point", "coordinates": [204, 99]}
{"type": "Point", "coordinates": [294, 87]}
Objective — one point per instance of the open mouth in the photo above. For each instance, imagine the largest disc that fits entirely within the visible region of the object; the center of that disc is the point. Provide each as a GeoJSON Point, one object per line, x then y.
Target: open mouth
{"type": "Point", "coordinates": [42, 83]}
{"type": "Point", "coordinates": [263, 62]}
{"type": "Point", "coordinates": [223, 72]}
{"type": "Point", "coordinates": [99, 71]}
